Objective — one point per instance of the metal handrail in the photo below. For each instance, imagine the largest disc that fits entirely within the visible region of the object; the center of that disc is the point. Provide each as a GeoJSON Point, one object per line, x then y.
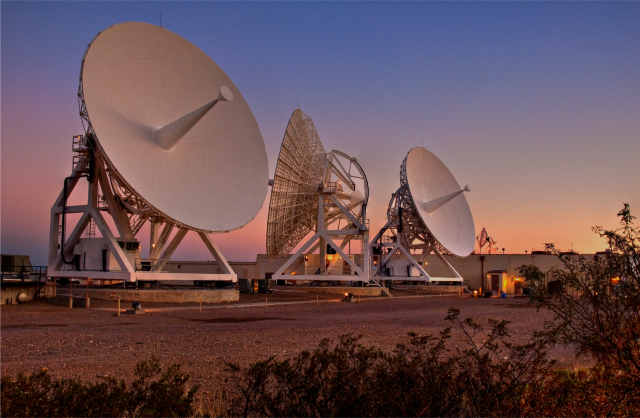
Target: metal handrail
{"type": "Point", "coordinates": [28, 273]}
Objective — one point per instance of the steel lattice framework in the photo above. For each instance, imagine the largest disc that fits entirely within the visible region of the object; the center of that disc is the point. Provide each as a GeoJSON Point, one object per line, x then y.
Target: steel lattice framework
{"type": "Point", "coordinates": [299, 174]}
{"type": "Point", "coordinates": [405, 231]}
{"type": "Point", "coordinates": [413, 226]}
{"type": "Point", "coordinates": [111, 190]}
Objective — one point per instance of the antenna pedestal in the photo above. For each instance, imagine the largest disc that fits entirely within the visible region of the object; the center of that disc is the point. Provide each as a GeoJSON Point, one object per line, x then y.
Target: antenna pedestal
{"type": "Point", "coordinates": [115, 255]}
{"type": "Point", "coordinates": [403, 233]}
{"type": "Point", "coordinates": [341, 215]}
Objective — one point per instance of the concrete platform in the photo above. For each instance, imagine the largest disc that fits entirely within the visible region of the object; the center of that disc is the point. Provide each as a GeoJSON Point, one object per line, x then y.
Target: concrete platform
{"type": "Point", "coordinates": [11, 290]}
{"type": "Point", "coordinates": [163, 296]}
{"type": "Point", "coordinates": [435, 290]}
{"type": "Point", "coordinates": [64, 300]}
{"type": "Point", "coordinates": [337, 290]}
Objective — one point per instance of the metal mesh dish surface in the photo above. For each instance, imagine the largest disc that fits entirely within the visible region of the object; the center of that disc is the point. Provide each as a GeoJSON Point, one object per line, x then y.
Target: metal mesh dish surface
{"type": "Point", "coordinates": [294, 197]}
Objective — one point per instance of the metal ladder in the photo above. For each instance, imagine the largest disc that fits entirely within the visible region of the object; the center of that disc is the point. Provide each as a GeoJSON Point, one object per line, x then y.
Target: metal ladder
{"type": "Point", "coordinates": [90, 231]}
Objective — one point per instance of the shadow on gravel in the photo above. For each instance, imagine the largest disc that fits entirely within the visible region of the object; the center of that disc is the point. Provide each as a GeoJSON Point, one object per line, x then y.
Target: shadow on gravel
{"type": "Point", "coordinates": [239, 320]}
{"type": "Point", "coordinates": [33, 326]}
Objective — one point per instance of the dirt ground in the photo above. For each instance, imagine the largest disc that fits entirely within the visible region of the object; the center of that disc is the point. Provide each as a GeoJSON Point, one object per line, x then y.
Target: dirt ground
{"type": "Point", "coordinates": [88, 343]}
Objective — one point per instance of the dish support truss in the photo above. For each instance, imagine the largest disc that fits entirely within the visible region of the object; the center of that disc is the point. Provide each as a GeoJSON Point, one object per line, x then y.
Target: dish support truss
{"type": "Point", "coordinates": [107, 193]}
{"type": "Point", "coordinates": [403, 232]}
{"type": "Point", "coordinates": [336, 204]}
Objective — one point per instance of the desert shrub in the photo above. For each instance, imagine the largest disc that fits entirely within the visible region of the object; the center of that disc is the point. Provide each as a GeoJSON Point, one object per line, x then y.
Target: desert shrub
{"type": "Point", "coordinates": [598, 391]}
{"type": "Point", "coordinates": [421, 378]}
{"type": "Point", "coordinates": [147, 396]}
{"type": "Point", "coordinates": [598, 309]}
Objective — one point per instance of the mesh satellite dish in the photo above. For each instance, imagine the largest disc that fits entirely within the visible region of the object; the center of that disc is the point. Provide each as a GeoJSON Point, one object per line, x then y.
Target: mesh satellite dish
{"type": "Point", "coordinates": [325, 192]}
{"type": "Point", "coordinates": [169, 139]}
{"type": "Point", "coordinates": [294, 195]}
{"type": "Point", "coordinates": [429, 212]}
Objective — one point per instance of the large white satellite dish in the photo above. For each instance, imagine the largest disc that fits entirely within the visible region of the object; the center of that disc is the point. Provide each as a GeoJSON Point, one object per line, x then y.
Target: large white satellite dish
{"type": "Point", "coordinates": [429, 212]}
{"type": "Point", "coordinates": [150, 96]}
{"type": "Point", "coordinates": [325, 192]}
{"type": "Point", "coordinates": [168, 139]}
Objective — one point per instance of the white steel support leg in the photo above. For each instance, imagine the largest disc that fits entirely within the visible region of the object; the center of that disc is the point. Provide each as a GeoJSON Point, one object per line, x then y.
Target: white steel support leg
{"type": "Point", "coordinates": [345, 257]}
{"type": "Point", "coordinates": [162, 240]}
{"type": "Point", "coordinates": [177, 239]}
{"type": "Point", "coordinates": [54, 237]}
{"type": "Point", "coordinates": [366, 254]}
{"type": "Point", "coordinates": [72, 239]}
{"type": "Point", "coordinates": [215, 252]}
{"type": "Point", "coordinates": [298, 253]}
{"type": "Point", "coordinates": [119, 216]}
{"type": "Point", "coordinates": [113, 245]}
{"type": "Point", "coordinates": [444, 260]}
{"type": "Point", "coordinates": [413, 261]}
{"type": "Point", "coordinates": [320, 227]}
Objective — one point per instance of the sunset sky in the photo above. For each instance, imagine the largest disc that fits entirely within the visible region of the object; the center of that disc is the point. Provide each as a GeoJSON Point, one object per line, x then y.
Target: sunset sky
{"type": "Point", "coordinates": [536, 105]}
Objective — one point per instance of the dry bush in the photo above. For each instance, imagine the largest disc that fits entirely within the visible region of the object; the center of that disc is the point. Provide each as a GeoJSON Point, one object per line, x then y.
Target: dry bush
{"type": "Point", "coordinates": [598, 306]}
{"type": "Point", "coordinates": [421, 378]}
{"type": "Point", "coordinates": [39, 395]}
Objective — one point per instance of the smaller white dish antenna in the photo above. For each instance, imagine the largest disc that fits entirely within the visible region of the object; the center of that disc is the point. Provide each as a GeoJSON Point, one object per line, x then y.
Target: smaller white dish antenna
{"type": "Point", "coordinates": [439, 201]}
{"type": "Point", "coordinates": [428, 213]}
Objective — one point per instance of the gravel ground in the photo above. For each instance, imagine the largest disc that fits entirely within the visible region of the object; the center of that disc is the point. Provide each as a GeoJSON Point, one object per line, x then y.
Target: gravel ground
{"type": "Point", "coordinates": [87, 343]}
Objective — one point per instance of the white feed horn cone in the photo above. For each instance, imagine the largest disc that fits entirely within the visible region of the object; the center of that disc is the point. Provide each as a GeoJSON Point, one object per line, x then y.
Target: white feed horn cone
{"type": "Point", "coordinates": [169, 135]}
{"type": "Point", "coordinates": [432, 205]}
{"type": "Point", "coordinates": [224, 94]}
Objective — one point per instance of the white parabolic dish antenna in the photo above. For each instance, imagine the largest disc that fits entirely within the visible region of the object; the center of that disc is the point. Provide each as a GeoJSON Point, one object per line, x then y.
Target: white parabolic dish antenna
{"type": "Point", "coordinates": [294, 198]}
{"type": "Point", "coordinates": [173, 127]}
{"type": "Point", "coordinates": [327, 192]}
{"type": "Point", "coordinates": [439, 201]}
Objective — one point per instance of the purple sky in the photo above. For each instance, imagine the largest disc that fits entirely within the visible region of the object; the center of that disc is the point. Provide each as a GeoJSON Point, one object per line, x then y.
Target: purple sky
{"type": "Point", "coordinates": [535, 105]}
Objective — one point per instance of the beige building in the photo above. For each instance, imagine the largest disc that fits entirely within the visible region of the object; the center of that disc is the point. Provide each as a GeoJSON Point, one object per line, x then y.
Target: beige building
{"type": "Point", "coordinates": [497, 272]}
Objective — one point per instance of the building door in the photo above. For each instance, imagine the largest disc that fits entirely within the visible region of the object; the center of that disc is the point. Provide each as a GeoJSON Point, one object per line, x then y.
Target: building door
{"type": "Point", "coordinates": [105, 259]}
{"type": "Point", "coordinates": [495, 282]}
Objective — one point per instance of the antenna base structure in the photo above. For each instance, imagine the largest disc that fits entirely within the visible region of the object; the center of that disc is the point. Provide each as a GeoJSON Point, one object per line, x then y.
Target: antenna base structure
{"type": "Point", "coordinates": [116, 256]}
{"type": "Point", "coordinates": [419, 222]}
{"type": "Point", "coordinates": [170, 141]}
{"type": "Point", "coordinates": [400, 238]}
{"type": "Point", "coordinates": [321, 193]}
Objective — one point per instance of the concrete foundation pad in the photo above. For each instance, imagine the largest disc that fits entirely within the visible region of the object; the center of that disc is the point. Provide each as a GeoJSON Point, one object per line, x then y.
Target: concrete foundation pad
{"type": "Point", "coordinates": [357, 291]}
{"type": "Point", "coordinates": [166, 296]}
{"type": "Point", "coordinates": [11, 290]}
{"type": "Point", "coordinates": [434, 289]}
{"type": "Point", "coordinates": [63, 300]}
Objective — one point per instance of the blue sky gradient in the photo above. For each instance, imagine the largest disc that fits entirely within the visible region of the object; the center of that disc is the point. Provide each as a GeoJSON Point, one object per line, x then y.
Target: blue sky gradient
{"type": "Point", "coordinates": [535, 105]}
